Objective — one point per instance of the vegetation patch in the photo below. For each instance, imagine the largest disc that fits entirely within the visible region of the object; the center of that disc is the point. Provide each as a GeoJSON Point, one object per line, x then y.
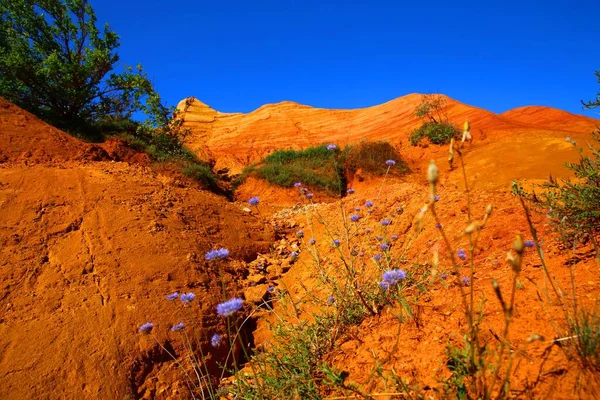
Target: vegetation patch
{"type": "Point", "coordinates": [324, 167]}
{"type": "Point", "coordinates": [436, 126]}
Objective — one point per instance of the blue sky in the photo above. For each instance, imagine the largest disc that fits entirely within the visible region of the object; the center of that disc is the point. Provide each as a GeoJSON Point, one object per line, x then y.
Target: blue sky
{"type": "Point", "coordinates": [238, 55]}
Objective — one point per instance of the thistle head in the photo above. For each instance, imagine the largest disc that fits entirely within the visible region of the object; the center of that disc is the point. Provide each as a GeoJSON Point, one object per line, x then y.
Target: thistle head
{"type": "Point", "coordinates": [432, 173]}
{"type": "Point", "coordinates": [519, 244]}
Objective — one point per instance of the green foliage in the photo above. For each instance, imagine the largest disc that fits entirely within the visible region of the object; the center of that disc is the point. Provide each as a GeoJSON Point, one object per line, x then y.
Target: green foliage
{"type": "Point", "coordinates": [314, 167]}
{"type": "Point", "coordinates": [202, 173]}
{"type": "Point", "coordinates": [292, 368]}
{"type": "Point", "coordinates": [431, 107]}
{"type": "Point", "coordinates": [370, 157]}
{"type": "Point", "coordinates": [55, 63]}
{"type": "Point", "coordinates": [584, 329]}
{"type": "Point", "coordinates": [458, 363]}
{"type": "Point", "coordinates": [593, 103]}
{"type": "Point", "coordinates": [436, 132]}
{"type": "Point", "coordinates": [435, 125]}
{"type": "Point", "coordinates": [324, 169]}
{"type": "Point", "coordinates": [572, 205]}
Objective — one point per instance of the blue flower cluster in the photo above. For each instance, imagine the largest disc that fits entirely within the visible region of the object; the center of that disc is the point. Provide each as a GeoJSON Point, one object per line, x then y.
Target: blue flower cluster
{"type": "Point", "coordinates": [229, 307]}
{"type": "Point", "coordinates": [391, 278]}
{"type": "Point", "coordinates": [217, 254]}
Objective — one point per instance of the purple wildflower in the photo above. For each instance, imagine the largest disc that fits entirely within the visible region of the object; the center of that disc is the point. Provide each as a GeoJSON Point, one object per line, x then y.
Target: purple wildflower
{"type": "Point", "coordinates": [356, 208]}
{"type": "Point", "coordinates": [331, 300]}
{"type": "Point", "coordinates": [270, 289]}
{"type": "Point", "coordinates": [216, 254]}
{"type": "Point", "coordinates": [384, 246]}
{"type": "Point", "coordinates": [309, 195]}
{"type": "Point", "coordinates": [379, 238]}
{"type": "Point", "coordinates": [187, 297]}
{"type": "Point", "coordinates": [465, 281]}
{"type": "Point", "coordinates": [384, 285]}
{"type": "Point", "coordinates": [293, 254]}
{"type": "Point", "coordinates": [173, 296]}
{"type": "Point", "coordinates": [178, 327]}
{"type": "Point", "coordinates": [146, 328]}
{"type": "Point", "coordinates": [435, 198]}
{"type": "Point", "coordinates": [215, 340]}
{"type": "Point", "coordinates": [438, 225]}
{"type": "Point", "coordinates": [331, 147]}
{"type": "Point", "coordinates": [354, 218]}
{"type": "Point", "coordinates": [336, 243]}
{"type": "Point", "coordinates": [230, 306]}
{"type": "Point", "coordinates": [377, 257]}
{"type": "Point", "coordinates": [300, 233]}
{"type": "Point", "coordinates": [312, 241]}
{"type": "Point", "coordinates": [529, 243]}
{"type": "Point", "coordinates": [368, 230]}
{"type": "Point", "coordinates": [461, 254]}
{"type": "Point", "coordinates": [389, 163]}
{"type": "Point", "coordinates": [350, 191]}
{"type": "Point", "coordinates": [394, 237]}
{"type": "Point", "coordinates": [393, 276]}
{"type": "Point", "coordinates": [369, 204]}
{"type": "Point", "coordinates": [385, 222]}
{"type": "Point", "coordinates": [253, 201]}
{"type": "Point", "coordinates": [297, 184]}
{"type": "Point", "coordinates": [444, 276]}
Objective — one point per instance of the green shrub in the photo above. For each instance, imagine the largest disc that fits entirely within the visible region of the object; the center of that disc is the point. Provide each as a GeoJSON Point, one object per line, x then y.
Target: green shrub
{"type": "Point", "coordinates": [324, 169]}
{"type": "Point", "coordinates": [436, 132]}
{"type": "Point", "coordinates": [573, 205]}
{"type": "Point", "coordinates": [202, 173]}
{"type": "Point", "coordinates": [315, 167]}
{"type": "Point", "coordinates": [371, 158]}
{"type": "Point", "coordinates": [584, 329]}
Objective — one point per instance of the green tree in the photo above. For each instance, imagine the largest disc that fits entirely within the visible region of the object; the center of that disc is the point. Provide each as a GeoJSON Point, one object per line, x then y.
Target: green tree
{"type": "Point", "coordinates": [593, 103]}
{"type": "Point", "coordinates": [57, 64]}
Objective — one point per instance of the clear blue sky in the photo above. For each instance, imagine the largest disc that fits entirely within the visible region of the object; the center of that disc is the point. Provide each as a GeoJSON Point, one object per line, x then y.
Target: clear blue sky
{"type": "Point", "coordinates": [239, 55]}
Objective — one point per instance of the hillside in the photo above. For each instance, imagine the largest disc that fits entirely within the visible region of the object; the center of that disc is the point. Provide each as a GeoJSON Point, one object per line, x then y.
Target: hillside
{"type": "Point", "coordinates": [93, 238]}
{"type": "Point", "coordinates": [88, 252]}
{"type": "Point", "coordinates": [551, 118]}
{"type": "Point", "coordinates": [236, 140]}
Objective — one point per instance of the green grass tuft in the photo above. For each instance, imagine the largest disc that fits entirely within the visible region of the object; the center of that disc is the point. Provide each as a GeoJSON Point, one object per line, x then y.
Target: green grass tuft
{"type": "Point", "coordinates": [436, 132]}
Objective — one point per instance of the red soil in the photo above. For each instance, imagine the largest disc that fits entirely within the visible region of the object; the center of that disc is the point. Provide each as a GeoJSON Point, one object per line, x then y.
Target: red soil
{"type": "Point", "coordinates": [88, 252]}
{"type": "Point", "coordinates": [89, 249]}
